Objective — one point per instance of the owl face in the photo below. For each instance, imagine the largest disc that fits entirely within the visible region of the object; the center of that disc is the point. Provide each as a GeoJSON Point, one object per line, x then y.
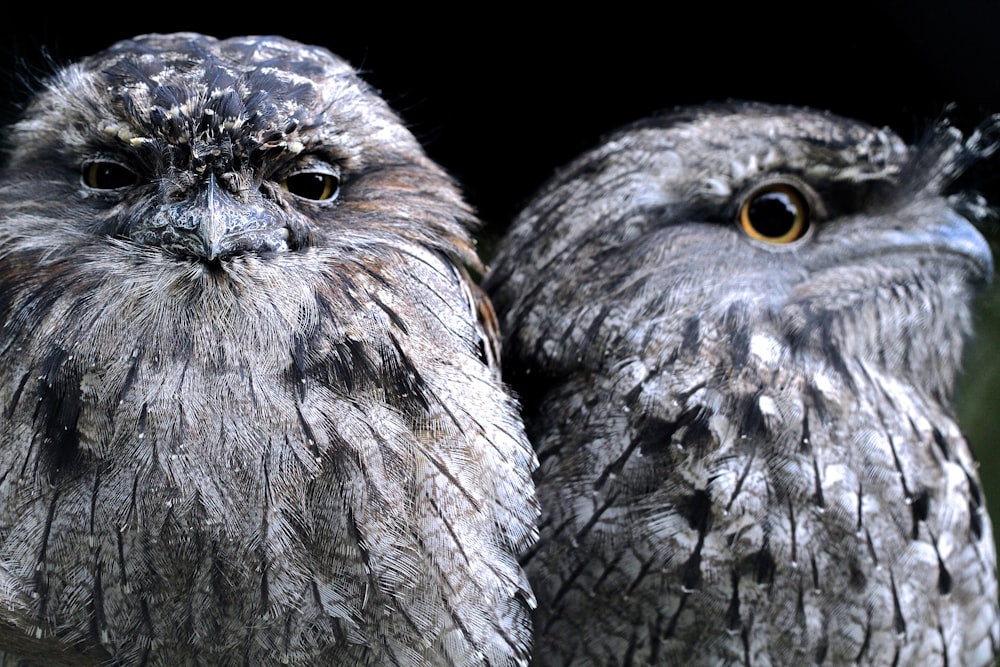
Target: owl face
{"type": "Point", "coordinates": [211, 149]}
{"type": "Point", "coordinates": [805, 221]}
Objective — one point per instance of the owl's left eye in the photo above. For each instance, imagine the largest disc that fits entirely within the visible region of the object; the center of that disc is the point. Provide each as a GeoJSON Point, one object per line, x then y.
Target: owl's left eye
{"type": "Point", "coordinates": [776, 213]}
{"type": "Point", "coordinates": [106, 175]}
{"type": "Point", "coordinates": [312, 185]}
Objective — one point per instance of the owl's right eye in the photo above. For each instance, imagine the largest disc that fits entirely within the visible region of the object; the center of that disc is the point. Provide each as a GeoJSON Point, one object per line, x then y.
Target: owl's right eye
{"type": "Point", "coordinates": [775, 213]}
{"type": "Point", "coordinates": [106, 175]}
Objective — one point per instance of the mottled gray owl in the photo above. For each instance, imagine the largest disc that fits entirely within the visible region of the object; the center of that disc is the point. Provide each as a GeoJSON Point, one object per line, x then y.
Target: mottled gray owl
{"type": "Point", "coordinates": [736, 332]}
{"type": "Point", "coordinates": [250, 412]}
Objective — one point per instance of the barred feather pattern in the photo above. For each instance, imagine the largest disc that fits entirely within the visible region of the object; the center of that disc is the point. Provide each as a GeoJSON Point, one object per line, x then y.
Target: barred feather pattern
{"type": "Point", "coordinates": [748, 452]}
{"type": "Point", "coordinates": [242, 426]}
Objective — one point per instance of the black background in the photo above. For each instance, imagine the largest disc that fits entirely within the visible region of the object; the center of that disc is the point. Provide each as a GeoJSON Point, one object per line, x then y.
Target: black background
{"type": "Point", "coordinates": [501, 95]}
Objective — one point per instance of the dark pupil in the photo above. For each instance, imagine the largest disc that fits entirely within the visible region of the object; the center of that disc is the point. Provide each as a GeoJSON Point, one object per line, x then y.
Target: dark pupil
{"type": "Point", "coordinates": [110, 176]}
{"type": "Point", "coordinates": [772, 214]}
{"type": "Point", "coordinates": [311, 185]}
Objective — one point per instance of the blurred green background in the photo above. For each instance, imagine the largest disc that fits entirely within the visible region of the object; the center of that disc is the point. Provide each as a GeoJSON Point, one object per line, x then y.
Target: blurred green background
{"type": "Point", "coordinates": [979, 389]}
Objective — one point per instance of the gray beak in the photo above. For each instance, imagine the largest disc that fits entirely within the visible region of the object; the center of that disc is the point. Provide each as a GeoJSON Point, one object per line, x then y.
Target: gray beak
{"type": "Point", "coordinates": [214, 225]}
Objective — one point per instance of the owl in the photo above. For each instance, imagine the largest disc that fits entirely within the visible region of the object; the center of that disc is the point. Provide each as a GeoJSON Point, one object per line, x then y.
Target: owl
{"type": "Point", "coordinates": [251, 409]}
{"type": "Point", "coordinates": [736, 331]}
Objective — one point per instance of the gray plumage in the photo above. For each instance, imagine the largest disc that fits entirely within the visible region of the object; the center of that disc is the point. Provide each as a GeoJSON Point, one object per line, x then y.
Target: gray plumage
{"type": "Point", "coordinates": [736, 331]}
{"type": "Point", "coordinates": [251, 413]}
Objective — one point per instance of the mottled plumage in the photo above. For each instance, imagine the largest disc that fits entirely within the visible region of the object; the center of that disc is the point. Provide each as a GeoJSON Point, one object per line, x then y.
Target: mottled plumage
{"type": "Point", "coordinates": [250, 407]}
{"type": "Point", "coordinates": [736, 331]}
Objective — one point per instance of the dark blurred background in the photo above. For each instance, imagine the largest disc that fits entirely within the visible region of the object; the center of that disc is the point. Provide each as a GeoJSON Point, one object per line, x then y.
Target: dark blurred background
{"type": "Point", "coordinates": [502, 94]}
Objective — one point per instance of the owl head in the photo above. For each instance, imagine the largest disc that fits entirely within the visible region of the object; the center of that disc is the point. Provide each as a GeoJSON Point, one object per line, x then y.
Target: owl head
{"type": "Point", "coordinates": [825, 233]}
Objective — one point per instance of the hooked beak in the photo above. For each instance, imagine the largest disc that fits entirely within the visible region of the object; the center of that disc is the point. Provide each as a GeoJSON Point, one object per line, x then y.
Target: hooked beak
{"type": "Point", "coordinates": [214, 225]}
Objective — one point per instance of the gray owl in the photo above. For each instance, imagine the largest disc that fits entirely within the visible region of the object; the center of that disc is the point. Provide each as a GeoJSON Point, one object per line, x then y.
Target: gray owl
{"type": "Point", "coordinates": [251, 413]}
{"type": "Point", "coordinates": [736, 331]}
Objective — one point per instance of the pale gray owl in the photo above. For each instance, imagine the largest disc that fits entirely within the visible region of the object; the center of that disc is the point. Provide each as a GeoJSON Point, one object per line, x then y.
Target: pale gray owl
{"type": "Point", "coordinates": [250, 408]}
{"type": "Point", "coordinates": [736, 331]}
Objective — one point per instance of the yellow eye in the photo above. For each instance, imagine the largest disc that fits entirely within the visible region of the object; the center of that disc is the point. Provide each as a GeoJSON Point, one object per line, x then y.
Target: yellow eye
{"type": "Point", "coordinates": [314, 185]}
{"type": "Point", "coordinates": [103, 175]}
{"type": "Point", "coordinates": [776, 213]}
